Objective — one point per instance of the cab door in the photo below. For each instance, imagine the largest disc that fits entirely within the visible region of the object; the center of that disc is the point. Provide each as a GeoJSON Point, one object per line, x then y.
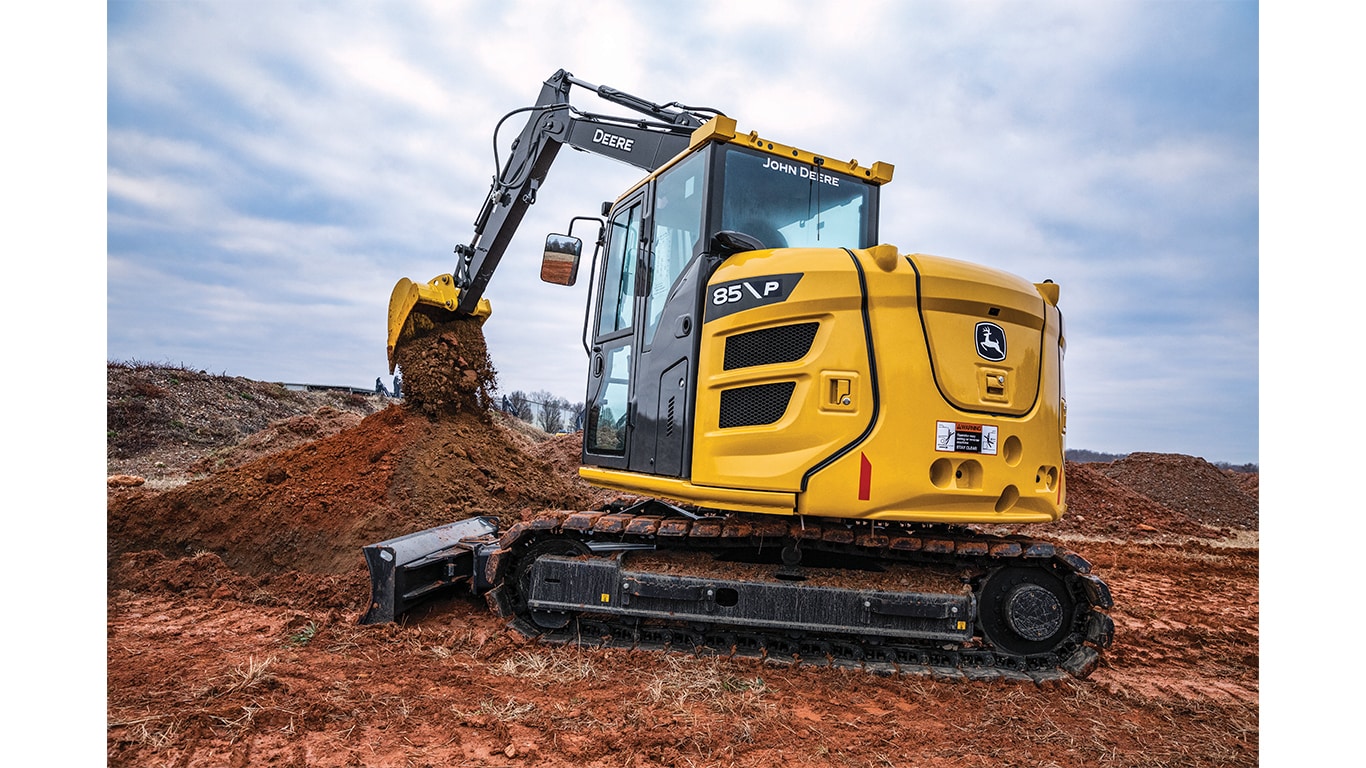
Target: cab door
{"type": "Point", "coordinates": [642, 361]}
{"type": "Point", "coordinates": [607, 422]}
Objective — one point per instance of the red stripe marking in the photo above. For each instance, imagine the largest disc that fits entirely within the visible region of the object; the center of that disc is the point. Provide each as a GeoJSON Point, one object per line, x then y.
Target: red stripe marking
{"type": "Point", "coordinates": [865, 477]}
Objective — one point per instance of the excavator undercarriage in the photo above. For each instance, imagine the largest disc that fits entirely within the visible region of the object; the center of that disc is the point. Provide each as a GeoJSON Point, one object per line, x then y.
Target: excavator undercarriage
{"type": "Point", "coordinates": [939, 600]}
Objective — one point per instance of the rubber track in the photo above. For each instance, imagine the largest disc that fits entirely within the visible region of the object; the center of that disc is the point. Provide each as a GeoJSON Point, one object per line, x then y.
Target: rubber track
{"type": "Point", "coordinates": [1076, 655]}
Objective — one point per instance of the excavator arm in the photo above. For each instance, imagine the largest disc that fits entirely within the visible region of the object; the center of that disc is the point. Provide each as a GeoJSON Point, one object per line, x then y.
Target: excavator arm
{"type": "Point", "coordinates": [645, 142]}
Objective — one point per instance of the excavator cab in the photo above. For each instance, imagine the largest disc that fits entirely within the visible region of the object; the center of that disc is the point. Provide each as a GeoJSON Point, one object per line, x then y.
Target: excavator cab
{"type": "Point", "coordinates": [728, 194]}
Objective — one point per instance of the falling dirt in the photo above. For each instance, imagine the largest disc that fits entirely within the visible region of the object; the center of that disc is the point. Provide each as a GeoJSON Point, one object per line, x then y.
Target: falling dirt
{"type": "Point", "coordinates": [447, 370]}
{"type": "Point", "coordinates": [233, 600]}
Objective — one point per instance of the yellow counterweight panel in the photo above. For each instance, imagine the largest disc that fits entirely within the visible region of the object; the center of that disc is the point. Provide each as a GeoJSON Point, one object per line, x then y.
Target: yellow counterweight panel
{"type": "Point", "coordinates": [863, 439]}
{"type": "Point", "coordinates": [904, 469]}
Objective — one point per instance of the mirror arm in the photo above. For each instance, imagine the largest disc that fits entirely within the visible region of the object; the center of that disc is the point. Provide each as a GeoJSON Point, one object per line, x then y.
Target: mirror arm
{"type": "Point", "coordinates": [588, 300]}
{"type": "Point", "coordinates": [598, 243]}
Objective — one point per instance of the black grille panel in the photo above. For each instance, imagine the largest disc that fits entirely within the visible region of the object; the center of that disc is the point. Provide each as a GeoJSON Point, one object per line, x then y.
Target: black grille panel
{"type": "Point", "coordinates": [752, 406]}
{"type": "Point", "coordinates": [766, 346]}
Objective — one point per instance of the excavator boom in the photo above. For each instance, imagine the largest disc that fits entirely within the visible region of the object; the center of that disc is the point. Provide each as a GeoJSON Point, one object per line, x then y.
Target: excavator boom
{"type": "Point", "coordinates": [646, 143]}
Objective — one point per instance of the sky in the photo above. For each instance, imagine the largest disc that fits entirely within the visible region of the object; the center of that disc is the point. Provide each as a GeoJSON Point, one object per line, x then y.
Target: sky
{"type": "Point", "coordinates": [273, 168]}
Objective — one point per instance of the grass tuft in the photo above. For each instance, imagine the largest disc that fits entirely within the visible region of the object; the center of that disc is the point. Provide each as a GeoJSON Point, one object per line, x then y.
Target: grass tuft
{"type": "Point", "coordinates": [503, 712]}
{"type": "Point", "coordinates": [243, 678]}
{"type": "Point", "coordinates": [304, 635]}
{"type": "Point", "coordinates": [547, 668]}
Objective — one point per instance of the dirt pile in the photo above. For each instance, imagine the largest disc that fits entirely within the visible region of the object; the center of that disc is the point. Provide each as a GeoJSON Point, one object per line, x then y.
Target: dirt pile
{"type": "Point", "coordinates": [1191, 486]}
{"type": "Point", "coordinates": [163, 420]}
{"type": "Point", "coordinates": [280, 435]}
{"type": "Point", "coordinates": [310, 490]}
{"type": "Point", "coordinates": [563, 453]}
{"type": "Point", "coordinates": [313, 506]}
{"type": "Point", "coordinates": [151, 406]}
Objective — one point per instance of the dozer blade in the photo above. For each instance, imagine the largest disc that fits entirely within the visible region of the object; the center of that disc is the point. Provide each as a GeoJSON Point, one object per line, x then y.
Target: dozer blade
{"type": "Point", "coordinates": [415, 308]}
{"type": "Point", "coordinates": [406, 570]}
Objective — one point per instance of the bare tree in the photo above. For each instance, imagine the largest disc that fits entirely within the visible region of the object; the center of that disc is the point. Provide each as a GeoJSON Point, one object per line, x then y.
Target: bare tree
{"type": "Point", "coordinates": [517, 405]}
{"type": "Point", "coordinates": [553, 413]}
{"type": "Point", "coordinates": [540, 400]}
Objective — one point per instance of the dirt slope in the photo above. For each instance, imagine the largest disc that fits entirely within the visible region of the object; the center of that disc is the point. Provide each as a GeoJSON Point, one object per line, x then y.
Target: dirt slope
{"type": "Point", "coordinates": [312, 507]}
{"type": "Point", "coordinates": [234, 589]}
{"type": "Point", "coordinates": [166, 424]}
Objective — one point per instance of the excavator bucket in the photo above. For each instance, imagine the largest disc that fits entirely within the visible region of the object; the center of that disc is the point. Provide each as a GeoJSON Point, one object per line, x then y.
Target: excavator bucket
{"type": "Point", "coordinates": [415, 308]}
{"type": "Point", "coordinates": [407, 570]}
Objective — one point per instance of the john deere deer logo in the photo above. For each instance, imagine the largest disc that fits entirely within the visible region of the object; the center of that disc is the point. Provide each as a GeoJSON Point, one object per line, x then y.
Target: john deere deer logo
{"type": "Point", "coordinates": [991, 342]}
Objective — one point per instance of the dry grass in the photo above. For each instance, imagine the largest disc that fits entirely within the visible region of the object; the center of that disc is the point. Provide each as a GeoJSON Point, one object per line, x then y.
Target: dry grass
{"type": "Point", "coordinates": [500, 711]}
{"type": "Point", "coordinates": [156, 732]}
{"type": "Point", "coordinates": [544, 668]}
{"type": "Point", "coordinates": [681, 685]}
{"type": "Point", "coordinates": [241, 678]}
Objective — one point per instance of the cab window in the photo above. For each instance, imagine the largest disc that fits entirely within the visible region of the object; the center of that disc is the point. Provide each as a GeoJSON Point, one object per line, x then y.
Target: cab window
{"type": "Point", "coordinates": [677, 228]}
{"type": "Point", "coordinates": [786, 204]}
{"type": "Point", "coordinates": [619, 273]}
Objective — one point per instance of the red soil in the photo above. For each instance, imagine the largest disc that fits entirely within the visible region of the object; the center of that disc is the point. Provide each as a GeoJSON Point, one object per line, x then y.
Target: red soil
{"type": "Point", "coordinates": [233, 639]}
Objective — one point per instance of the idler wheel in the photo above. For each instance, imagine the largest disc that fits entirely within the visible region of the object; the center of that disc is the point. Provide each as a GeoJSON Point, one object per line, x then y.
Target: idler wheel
{"type": "Point", "coordinates": [1025, 610]}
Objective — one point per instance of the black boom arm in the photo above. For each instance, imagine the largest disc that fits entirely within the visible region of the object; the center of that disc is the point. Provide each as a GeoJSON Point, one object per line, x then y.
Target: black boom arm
{"type": "Point", "coordinates": [645, 143]}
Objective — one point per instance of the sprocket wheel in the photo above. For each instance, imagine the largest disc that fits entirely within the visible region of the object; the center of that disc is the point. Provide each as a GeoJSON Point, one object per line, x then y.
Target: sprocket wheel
{"type": "Point", "coordinates": [522, 576]}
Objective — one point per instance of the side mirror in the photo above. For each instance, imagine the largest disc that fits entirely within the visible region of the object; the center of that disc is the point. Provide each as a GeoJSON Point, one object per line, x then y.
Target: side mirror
{"type": "Point", "coordinates": [560, 263]}
{"type": "Point", "coordinates": [728, 241]}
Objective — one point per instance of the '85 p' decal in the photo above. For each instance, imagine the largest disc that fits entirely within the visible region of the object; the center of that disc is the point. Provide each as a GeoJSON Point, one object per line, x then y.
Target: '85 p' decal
{"type": "Point", "coordinates": [738, 295]}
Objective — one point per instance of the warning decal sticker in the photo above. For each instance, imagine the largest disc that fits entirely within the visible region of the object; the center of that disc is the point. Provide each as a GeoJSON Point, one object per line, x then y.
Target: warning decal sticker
{"type": "Point", "coordinates": [955, 437]}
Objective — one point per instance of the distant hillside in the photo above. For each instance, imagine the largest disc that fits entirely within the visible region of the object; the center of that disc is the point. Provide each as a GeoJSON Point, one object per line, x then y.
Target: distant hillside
{"type": "Point", "coordinates": [1081, 456]}
{"type": "Point", "coordinates": [152, 406]}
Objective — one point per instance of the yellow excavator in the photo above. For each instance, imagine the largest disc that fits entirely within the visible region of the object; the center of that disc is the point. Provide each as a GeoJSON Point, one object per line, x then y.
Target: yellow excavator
{"type": "Point", "coordinates": [812, 426]}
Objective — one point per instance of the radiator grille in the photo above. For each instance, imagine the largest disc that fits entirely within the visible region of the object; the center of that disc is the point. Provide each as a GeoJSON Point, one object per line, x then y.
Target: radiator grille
{"type": "Point", "coordinates": [766, 346]}
{"type": "Point", "coordinates": [752, 406]}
